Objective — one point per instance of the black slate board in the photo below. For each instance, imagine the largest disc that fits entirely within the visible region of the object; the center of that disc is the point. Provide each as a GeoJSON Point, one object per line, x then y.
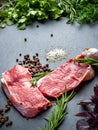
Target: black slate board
{"type": "Point", "coordinates": [74, 38]}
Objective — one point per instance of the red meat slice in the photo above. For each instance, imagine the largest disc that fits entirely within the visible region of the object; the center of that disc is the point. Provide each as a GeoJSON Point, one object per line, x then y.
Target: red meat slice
{"type": "Point", "coordinates": [28, 100]}
{"type": "Point", "coordinates": [70, 74]}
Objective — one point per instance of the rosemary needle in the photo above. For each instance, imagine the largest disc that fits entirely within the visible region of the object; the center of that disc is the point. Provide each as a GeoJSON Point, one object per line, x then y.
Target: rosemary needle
{"type": "Point", "coordinates": [58, 114]}
{"type": "Point", "coordinates": [90, 61]}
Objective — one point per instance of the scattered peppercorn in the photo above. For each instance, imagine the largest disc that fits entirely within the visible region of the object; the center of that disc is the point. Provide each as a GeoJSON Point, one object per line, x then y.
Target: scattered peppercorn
{"type": "Point", "coordinates": [33, 64]}
{"type": "Point", "coordinates": [1, 111]}
{"type": "Point", "coordinates": [7, 108]}
{"type": "Point", "coordinates": [8, 123]}
{"type": "Point", "coordinates": [36, 54]}
{"type": "Point", "coordinates": [9, 103]}
{"type": "Point", "coordinates": [17, 60]}
{"type": "Point", "coordinates": [25, 39]}
{"type": "Point", "coordinates": [20, 54]}
{"type": "Point", "coordinates": [20, 63]}
{"type": "Point", "coordinates": [51, 35]}
{"type": "Point", "coordinates": [37, 26]}
{"type": "Point", "coordinates": [4, 119]}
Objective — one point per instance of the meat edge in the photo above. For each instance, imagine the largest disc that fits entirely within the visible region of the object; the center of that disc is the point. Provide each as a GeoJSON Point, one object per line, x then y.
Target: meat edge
{"type": "Point", "coordinates": [27, 112]}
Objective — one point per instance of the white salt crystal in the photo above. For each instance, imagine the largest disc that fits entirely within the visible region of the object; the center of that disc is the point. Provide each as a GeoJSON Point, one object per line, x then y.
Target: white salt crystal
{"type": "Point", "coordinates": [56, 54]}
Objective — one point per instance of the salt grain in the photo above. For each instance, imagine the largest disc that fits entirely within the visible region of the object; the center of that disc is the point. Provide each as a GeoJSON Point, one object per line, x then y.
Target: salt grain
{"type": "Point", "coordinates": [56, 54]}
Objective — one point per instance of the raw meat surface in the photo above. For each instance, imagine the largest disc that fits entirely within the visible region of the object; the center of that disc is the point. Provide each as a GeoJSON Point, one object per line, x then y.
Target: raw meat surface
{"type": "Point", "coordinates": [28, 100]}
{"type": "Point", "coordinates": [65, 78]}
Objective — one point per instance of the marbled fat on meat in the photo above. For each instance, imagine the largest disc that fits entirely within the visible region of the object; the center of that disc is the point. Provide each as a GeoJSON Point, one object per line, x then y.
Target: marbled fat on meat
{"type": "Point", "coordinates": [29, 101]}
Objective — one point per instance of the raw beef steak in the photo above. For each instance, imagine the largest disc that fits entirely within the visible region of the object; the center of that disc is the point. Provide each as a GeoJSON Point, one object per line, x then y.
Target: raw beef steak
{"type": "Point", "coordinates": [66, 77]}
{"type": "Point", "coordinates": [28, 100]}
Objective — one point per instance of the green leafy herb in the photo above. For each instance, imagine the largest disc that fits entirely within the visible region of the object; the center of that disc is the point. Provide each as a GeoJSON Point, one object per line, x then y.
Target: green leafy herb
{"type": "Point", "coordinates": [90, 61]}
{"type": "Point", "coordinates": [37, 76]}
{"type": "Point", "coordinates": [57, 115]}
{"type": "Point", "coordinates": [69, 10]}
{"type": "Point", "coordinates": [82, 11]}
{"type": "Point", "coordinates": [24, 12]}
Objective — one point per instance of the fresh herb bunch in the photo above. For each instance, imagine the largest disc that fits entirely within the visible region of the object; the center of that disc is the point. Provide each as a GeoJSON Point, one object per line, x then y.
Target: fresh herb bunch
{"type": "Point", "coordinates": [24, 12]}
{"type": "Point", "coordinates": [87, 11]}
{"type": "Point", "coordinates": [90, 121]}
{"type": "Point", "coordinates": [90, 61]}
{"type": "Point", "coordinates": [69, 9]}
{"type": "Point", "coordinates": [82, 11]}
{"type": "Point", "coordinates": [57, 115]}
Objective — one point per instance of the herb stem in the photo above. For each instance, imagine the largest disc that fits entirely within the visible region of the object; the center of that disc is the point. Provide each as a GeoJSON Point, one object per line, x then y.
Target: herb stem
{"type": "Point", "coordinates": [90, 61]}
{"type": "Point", "coordinates": [59, 112]}
{"type": "Point", "coordinates": [37, 76]}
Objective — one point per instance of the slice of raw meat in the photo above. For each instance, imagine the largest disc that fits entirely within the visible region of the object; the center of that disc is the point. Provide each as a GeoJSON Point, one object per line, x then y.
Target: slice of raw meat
{"type": "Point", "coordinates": [28, 100]}
{"type": "Point", "coordinates": [65, 78]}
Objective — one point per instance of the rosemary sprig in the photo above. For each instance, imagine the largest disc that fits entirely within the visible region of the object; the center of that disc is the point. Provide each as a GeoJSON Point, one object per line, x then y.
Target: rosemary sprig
{"type": "Point", "coordinates": [90, 61]}
{"type": "Point", "coordinates": [37, 76]}
{"type": "Point", "coordinates": [69, 10]}
{"type": "Point", "coordinates": [58, 114]}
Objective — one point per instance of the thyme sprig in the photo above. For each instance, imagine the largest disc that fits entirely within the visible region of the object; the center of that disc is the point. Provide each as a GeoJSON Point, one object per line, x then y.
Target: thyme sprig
{"type": "Point", "coordinates": [90, 61]}
{"type": "Point", "coordinates": [59, 112]}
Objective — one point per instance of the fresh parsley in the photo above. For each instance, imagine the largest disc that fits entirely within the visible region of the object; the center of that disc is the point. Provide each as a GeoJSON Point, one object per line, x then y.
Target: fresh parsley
{"type": "Point", "coordinates": [23, 12]}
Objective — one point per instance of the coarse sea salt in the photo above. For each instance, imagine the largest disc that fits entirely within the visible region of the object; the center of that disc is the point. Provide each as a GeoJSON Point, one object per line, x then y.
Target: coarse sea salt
{"type": "Point", "coordinates": [56, 54]}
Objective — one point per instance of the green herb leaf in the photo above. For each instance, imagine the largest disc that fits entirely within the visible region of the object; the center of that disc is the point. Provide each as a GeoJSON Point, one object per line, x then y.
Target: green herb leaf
{"type": "Point", "coordinates": [9, 22]}
{"type": "Point", "coordinates": [90, 61]}
{"type": "Point", "coordinates": [2, 25]}
{"type": "Point", "coordinates": [24, 12]}
{"type": "Point", "coordinates": [82, 11]}
{"type": "Point", "coordinates": [22, 26]}
{"type": "Point", "coordinates": [37, 76]}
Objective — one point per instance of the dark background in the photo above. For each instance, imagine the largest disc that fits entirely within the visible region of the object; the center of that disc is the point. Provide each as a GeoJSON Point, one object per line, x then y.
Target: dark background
{"type": "Point", "coordinates": [74, 38]}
